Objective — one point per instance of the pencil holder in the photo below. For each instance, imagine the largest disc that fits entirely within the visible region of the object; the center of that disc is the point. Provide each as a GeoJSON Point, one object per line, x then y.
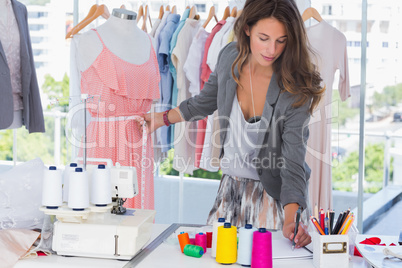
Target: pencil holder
{"type": "Point", "coordinates": [330, 251]}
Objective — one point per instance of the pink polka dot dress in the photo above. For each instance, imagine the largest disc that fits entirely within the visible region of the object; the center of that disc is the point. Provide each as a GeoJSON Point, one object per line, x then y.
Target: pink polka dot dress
{"type": "Point", "coordinates": [120, 91]}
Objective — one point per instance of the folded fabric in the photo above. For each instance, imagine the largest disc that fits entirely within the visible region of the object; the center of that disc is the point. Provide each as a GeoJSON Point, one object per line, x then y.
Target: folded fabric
{"type": "Point", "coordinates": [14, 244]}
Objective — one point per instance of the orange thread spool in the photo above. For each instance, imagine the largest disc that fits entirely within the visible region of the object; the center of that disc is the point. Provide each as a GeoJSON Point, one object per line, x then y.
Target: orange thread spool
{"type": "Point", "coordinates": [184, 240]}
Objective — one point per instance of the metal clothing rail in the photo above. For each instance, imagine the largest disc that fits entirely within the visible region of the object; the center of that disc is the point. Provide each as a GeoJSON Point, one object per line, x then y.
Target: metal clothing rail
{"type": "Point", "coordinates": [140, 256]}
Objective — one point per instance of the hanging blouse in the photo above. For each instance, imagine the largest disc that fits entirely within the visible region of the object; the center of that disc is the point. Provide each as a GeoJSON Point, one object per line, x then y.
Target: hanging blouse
{"type": "Point", "coordinates": [121, 91]}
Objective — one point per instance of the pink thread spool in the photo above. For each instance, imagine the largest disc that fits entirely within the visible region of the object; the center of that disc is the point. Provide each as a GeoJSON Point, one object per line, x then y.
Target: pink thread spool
{"type": "Point", "coordinates": [261, 256]}
{"type": "Point", "coordinates": [201, 240]}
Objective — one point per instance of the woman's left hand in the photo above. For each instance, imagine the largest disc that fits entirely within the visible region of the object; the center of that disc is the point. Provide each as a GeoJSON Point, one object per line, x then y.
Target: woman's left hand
{"type": "Point", "coordinates": [302, 239]}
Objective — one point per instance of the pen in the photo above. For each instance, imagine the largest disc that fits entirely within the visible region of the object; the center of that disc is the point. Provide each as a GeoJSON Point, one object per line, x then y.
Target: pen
{"type": "Point", "coordinates": [337, 223]}
{"type": "Point", "coordinates": [332, 217]}
{"type": "Point", "coordinates": [298, 212]}
{"type": "Point", "coordinates": [326, 226]}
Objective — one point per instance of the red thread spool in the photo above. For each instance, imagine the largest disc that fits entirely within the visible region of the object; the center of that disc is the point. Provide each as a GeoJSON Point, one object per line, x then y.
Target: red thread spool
{"type": "Point", "coordinates": [209, 239]}
{"type": "Point", "coordinates": [192, 241]}
{"type": "Point", "coordinates": [201, 240]}
{"type": "Point", "coordinates": [184, 240]}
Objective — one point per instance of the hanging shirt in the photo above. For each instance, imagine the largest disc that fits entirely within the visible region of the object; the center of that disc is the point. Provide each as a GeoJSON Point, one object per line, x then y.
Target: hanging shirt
{"type": "Point", "coordinates": [205, 72]}
{"type": "Point", "coordinates": [159, 30]}
{"type": "Point", "coordinates": [173, 42]}
{"type": "Point", "coordinates": [172, 68]}
{"type": "Point", "coordinates": [231, 36]}
{"type": "Point", "coordinates": [330, 47]}
{"type": "Point", "coordinates": [192, 66]}
{"type": "Point", "coordinates": [185, 132]}
{"type": "Point", "coordinates": [157, 135]}
{"type": "Point", "coordinates": [10, 40]}
{"type": "Point", "coordinates": [218, 43]}
{"type": "Point", "coordinates": [155, 26]}
{"type": "Point", "coordinates": [166, 82]}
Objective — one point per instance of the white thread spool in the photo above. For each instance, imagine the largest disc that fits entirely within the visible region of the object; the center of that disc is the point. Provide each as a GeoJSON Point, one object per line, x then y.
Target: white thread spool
{"type": "Point", "coordinates": [216, 224]}
{"type": "Point", "coordinates": [245, 245]}
{"type": "Point", "coordinates": [101, 186]}
{"type": "Point", "coordinates": [52, 190]}
{"type": "Point", "coordinates": [78, 195]}
{"type": "Point", "coordinates": [66, 175]}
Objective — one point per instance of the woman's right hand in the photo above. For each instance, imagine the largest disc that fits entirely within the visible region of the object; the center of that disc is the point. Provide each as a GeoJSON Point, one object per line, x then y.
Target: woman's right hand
{"type": "Point", "coordinates": [153, 122]}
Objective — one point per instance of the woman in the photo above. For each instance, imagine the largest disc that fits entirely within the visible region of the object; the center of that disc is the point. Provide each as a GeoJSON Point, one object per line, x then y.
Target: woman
{"type": "Point", "coordinates": [265, 88]}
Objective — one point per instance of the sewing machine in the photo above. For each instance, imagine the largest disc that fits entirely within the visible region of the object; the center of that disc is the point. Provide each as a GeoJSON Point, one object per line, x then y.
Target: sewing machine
{"type": "Point", "coordinates": [111, 231]}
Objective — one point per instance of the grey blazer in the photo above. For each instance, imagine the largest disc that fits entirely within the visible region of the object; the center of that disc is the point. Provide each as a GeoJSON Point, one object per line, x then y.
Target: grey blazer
{"type": "Point", "coordinates": [32, 115]}
{"type": "Point", "coordinates": [283, 133]}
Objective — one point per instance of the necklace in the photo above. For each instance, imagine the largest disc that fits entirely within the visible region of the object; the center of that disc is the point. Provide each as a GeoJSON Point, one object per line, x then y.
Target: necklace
{"type": "Point", "coordinates": [252, 95]}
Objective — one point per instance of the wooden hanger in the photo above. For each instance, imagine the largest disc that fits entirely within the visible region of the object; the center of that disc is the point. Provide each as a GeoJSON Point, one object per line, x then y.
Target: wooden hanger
{"type": "Point", "coordinates": [210, 16]}
{"type": "Point", "coordinates": [161, 12]}
{"type": "Point", "coordinates": [140, 13]}
{"type": "Point", "coordinates": [101, 10]}
{"type": "Point", "coordinates": [226, 14]}
{"type": "Point", "coordinates": [147, 15]}
{"type": "Point", "coordinates": [239, 13]}
{"type": "Point", "coordinates": [91, 12]}
{"type": "Point", "coordinates": [311, 12]}
{"type": "Point", "coordinates": [167, 8]}
{"type": "Point", "coordinates": [174, 10]}
{"type": "Point", "coordinates": [234, 12]}
{"type": "Point", "coordinates": [193, 13]}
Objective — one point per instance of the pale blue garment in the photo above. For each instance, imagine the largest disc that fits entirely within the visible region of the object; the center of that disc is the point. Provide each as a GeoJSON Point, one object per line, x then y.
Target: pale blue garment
{"type": "Point", "coordinates": [166, 81]}
{"type": "Point", "coordinates": [158, 132]}
{"type": "Point", "coordinates": [172, 69]}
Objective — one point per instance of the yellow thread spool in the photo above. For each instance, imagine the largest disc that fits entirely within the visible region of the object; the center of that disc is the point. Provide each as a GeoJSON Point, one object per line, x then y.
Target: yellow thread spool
{"type": "Point", "coordinates": [226, 248]}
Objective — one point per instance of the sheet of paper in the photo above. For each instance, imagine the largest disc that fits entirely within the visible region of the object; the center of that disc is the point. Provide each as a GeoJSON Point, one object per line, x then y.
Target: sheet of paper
{"type": "Point", "coordinates": [282, 249]}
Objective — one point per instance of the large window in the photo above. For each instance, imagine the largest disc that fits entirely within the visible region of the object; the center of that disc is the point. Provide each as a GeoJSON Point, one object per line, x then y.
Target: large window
{"type": "Point", "coordinates": [49, 20]}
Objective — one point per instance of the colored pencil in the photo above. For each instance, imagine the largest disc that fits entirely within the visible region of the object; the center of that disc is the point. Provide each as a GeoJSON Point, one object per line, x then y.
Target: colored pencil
{"type": "Point", "coordinates": [316, 225]}
{"type": "Point", "coordinates": [348, 225]}
{"type": "Point", "coordinates": [344, 223]}
{"type": "Point", "coordinates": [322, 217]}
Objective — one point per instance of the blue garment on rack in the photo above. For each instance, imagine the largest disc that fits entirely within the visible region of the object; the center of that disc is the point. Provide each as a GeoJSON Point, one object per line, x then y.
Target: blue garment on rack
{"type": "Point", "coordinates": [172, 69]}
{"type": "Point", "coordinates": [166, 76]}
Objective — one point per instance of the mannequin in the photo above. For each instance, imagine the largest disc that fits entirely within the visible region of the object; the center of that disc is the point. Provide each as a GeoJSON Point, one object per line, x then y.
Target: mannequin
{"type": "Point", "coordinates": [115, 64]}
{"type": "Point", "coordinates": [136, 46]}
{"type": "Point", "coordinates": [5, 15]}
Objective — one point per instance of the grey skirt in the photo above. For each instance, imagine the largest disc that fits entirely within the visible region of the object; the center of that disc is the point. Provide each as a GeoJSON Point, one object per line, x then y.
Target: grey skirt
{"type": "Point", "coordinates": [244, 201]}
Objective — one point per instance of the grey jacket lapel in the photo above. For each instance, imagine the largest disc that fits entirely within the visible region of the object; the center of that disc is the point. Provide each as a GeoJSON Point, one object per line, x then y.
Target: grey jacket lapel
{"type": "Point", "coordinates": [25, 68]}
{"type": "Point", "coordinates": [2, 53]}
{"type": "Point", "coordinates": [19, 13]}
{"type": "Point", "coordinates": [230, 91]}
{"type": "Point", "coordinates": [270, 101]}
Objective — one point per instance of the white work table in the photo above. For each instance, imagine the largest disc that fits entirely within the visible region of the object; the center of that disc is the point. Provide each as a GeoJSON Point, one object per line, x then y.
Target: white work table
{"type": "Point", "coordinates": [161, 251]}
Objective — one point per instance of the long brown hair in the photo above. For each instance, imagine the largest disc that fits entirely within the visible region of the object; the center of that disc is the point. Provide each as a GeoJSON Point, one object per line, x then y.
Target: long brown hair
{"type": "Point", "coordinates": [295, 71]}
